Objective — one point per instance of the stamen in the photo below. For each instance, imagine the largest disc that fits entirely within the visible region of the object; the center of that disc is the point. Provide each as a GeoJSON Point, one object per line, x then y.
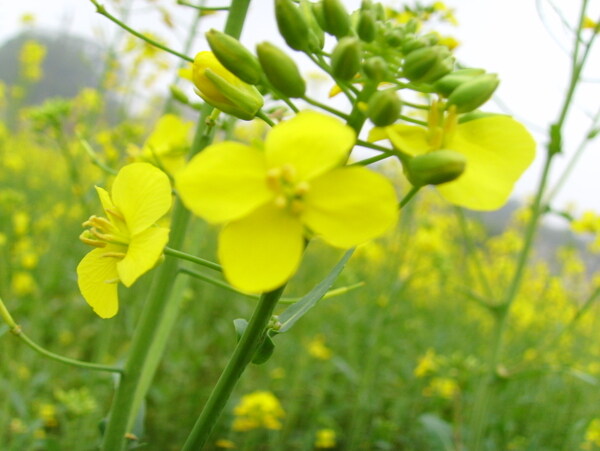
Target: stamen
{"type": "Point", "coordinates": [116, 214]}
{"type": "Point", "coordinates": [274, 179]}
{"type": "Point", "coordinates": [280, 201]}
{"type": "Point", "coordinates": [301, 189]}
{"type": "Point", "coordinates": [296, 207]}
{"type": "Point", "coordinates": [288, 173]}
{"type": "Point", "coordinates": [84, 237]}
{"type": "Point", "coordinates": [119, 255]}
{"type": "Point", "coordinates": [116, 280]}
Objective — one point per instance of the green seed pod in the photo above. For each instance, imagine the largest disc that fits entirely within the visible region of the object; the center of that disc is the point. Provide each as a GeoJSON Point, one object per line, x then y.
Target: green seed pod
{"type": "Point", "coordinates": [345, 58]}
{"type": "Point", "coordinates": [281, 71]}
{"type": "Point", "coordinates": [448, 83]}
{"type": "Point", "coordinates": [366, 27]}
{"type": "Point", "coordinates": [316, 35]}
{"type": "Point", "coordinates": [234, 56]}
{"type": "Point", "coordinates": [474, 93]}
{"type": "Point", "coordinates": [428, 64]}
{"type": "Point", "coordinates": [178, 94]}
{"type": "Point", "coordinates": [376, 68]}
{"type": "Point", "coordinates": [384, 107]}
{"type": "Point", "coordinates": [434, 168]}
{"type": "Point", "coordinates": [337, 19]}
{"type": "Point", "coordinates": [292, 24]}
{"type": "Point", "coordinates": [412, 43]}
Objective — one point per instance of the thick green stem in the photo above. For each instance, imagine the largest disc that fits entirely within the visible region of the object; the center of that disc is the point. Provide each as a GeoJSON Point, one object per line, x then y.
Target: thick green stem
{"type": "Point", "coordinates": [242, 355]}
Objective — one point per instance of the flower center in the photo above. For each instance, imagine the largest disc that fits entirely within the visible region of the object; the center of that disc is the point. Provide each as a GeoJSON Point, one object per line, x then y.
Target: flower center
{"type": "Point", "coordinates": [289, 192]}
{"type": "Point", "coordinates": [102, 232]}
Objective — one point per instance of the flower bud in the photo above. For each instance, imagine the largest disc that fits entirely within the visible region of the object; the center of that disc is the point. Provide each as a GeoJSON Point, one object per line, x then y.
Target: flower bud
{"type": "Point", "coordinates": [448, 83]}
{"type": "Point", "coordinates": [366, 27]}
{"type": "Point", "coordinates": [337, 20]}
{"type": "Point", "coordinates": [376, 68]}
{"type": "Point", "coordinates": [317, 9]}
{"type": "Point", "coordinates": [178, 94]}
{"type": "Point", "coordinates": [412, 43]}
{"type": "Point", "coordinates": [394, 37]}
{"type": "Point", "coordinates": [428, 64]}
{"type": "Point", "coordinates": [384, 107]}
{"type": "Point", "coordinates": [281, 70]}
{"type": "Point", "coordinates": [292, 24]}
{"type": "Point", "coordinates": [345, 58]}
{"type": "Point", "coordinates": [474, 93]}
{"type": "Point", "coordinates": [234, 56]}
{"type": "Point", "coordinates": [434, 168]}
{"type": "Point", "coordinates": [316, 35]}
{"type": "Point", "coordinates": [223, 90]}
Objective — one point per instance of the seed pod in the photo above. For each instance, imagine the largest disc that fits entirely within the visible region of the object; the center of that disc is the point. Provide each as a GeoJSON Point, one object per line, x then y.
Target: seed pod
{"type": "Point", "coordinates": [292, 24]}
{"type": "Point", "coordinates": [234, 56]}
{"type": "Point", "coordinates": [384, 107]}
{"type": "Point", "coordinates": [223, 90]}
{"type": "Point", "coordinates": [474, 93]}
{"type": "Point", "coordinates": [281, 71]}
{"type": "Point", "coordinates": [337, 20]}
{"type": "Point", "coordinates": [448, 83]}
{"type": "Point", "coordinates": [366, 27]}
{"type": "Point", "coordinates": [316, 35]}
{"type": "Point", "coordinates": [376, 68]}
{"type": "Point", "coordinates": [345, 58]}
{"type": "Point", "coordinates": [434, 168]}
{"type": "Point", "coordinates": [428, 64]}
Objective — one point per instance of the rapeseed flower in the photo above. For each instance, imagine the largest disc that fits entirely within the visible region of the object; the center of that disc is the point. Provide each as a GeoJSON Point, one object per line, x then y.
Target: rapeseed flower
{"type": "Point", "coordinates": [270, 199]}
{"type": "Point", "coordinates": [325, 439]}
{"type": "Point", "coordinates": [259, 409]}
{"type": "Point", "coordinates": [128, 244]}
{"type": "Point", "coordinates": [498, 149]}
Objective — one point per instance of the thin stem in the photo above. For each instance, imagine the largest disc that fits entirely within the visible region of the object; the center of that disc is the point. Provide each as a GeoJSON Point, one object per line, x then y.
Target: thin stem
{"type": "Point", "coordinates": [411, 120]}
{"type": "Point", "coordinates": [371, 160]}
{"type": "Point", "coordinates": [241, 357]}
{"type": "Point", "coordinates": [102, 11]}
{"type": "Point", "coordinates": [203, 8]}
{"type": "Point", "coordinates": [95, 160]}
{"type": "Point", "coordinates": [192, 258]}
{"type": "Point", "coordinates": [325, 107]}
{"type": "Point", "coordinates": [18, 332]}
{"type": "Point", "coordinates": [416, 105]}
{"type": "Point", "coordinates": [261, 115]}
{"type": "Point", "coordinates": [369, 145]}
{"type": "Point", "coordinates": [406, 199]}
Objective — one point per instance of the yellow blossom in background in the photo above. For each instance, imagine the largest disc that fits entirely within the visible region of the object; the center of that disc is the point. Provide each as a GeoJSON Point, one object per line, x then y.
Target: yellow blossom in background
{"type": "Point", "coordinates": [128, 244]}
{"type": "Point", "coordinates": [589, 222]}
{"type": "Point", "coordinates": [225, 444]}
{"type": "Point", "coordinates": [47, 413]}
{"type": "Point", "coordinates": [427, 364]}
{"type": "Point", "coordinates": [168, 144]}
{"type": "Point", "coordinates": [17, 426]}
{"type": "Point", "coordinates": [325, 439]}
{"type": "Point", "coordinates": [23, 283]}
{"type": "Point", "coordinates": [28, 19]}
{"type": "Point", "coordinates": [592, 435]}
{"type": "Point", "coordinates": [498, 149]}
{"type": "Point", "coordinates": [259, 409]}
{"type": "Point", "coordinates": [270, 199]}
{"type": "Point", "coordinates": [318, 349]}
{"type": "Point", "coordinates": [443, 387]}
{"type": "Point", "coordinates": [20, 222]}
{"type": "Point", "coordinates": [589, 23]}
{"type": "Point", "coordinates": [31, 58]}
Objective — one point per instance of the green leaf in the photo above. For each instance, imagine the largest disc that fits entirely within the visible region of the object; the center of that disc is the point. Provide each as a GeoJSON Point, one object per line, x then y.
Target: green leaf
{"type": "Point", "coordinates": [265, 350]}
{"type": "Point", "coordinates": [438, 429]}
{"type": "Point", "coordinates": [292, 314]}
{"type": "Point", "coordinates": [240, 325]}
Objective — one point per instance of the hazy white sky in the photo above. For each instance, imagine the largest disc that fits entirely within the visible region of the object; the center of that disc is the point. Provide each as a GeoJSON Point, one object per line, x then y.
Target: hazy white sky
{"type": "Point", "coordinates": [502, 36]}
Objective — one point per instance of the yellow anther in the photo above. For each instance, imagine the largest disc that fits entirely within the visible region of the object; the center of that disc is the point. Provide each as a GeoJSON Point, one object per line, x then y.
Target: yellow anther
{"type": "Point", "coordinates": [85, 238]}
{"type": "Point", "coordinates": [119, 255]}
{"type": "Point", "coordinates": [274, 178]}
{"type": "Point", "coordinates": [280, 201]}
{"type": "Point", "coordinates": [288, 173]}
{"type": "Point", "coordinates": [301, 189]}
{"type": "Point", "coordinates": [115, 213]}
{"type": "Point", "coordinates": [116, 280]}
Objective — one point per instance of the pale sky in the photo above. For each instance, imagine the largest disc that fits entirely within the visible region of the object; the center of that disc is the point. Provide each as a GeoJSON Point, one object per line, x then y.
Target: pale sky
{"type": "Point", "coordinates": [502, 36]}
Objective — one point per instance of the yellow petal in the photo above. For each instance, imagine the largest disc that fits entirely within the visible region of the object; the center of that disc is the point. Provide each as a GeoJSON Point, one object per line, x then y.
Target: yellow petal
{"type": "Point", "coordinates": [409, 139]}
{"type": "Point", "coordinates": [105, 200]}
{"type": "Point", "coordinates": [498, 150]}
{"type": "Point", "coordinates": [312, 143]}
{"type": "Point", "coordinates": [261, 251]}
{"type": "Point", "coordinates": [143, 252]}
{"type": "Point", "coordinates": [224, 182]}
{"type": "Point", "coordinates": [97, 279]}
{"type": "Point", "coordinates": [349, 206]}
{"type": "Point", "coordinates": [142, 194]}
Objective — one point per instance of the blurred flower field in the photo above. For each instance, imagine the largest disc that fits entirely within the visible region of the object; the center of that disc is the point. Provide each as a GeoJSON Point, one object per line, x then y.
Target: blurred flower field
{"type": "Point", "coordinates": [393, 360]}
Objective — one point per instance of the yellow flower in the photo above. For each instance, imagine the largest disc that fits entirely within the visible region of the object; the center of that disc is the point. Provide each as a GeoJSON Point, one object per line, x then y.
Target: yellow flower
{"type": "Point", "coordinates": [325, 439]}
{"type": "Point", "coordinates": [222, 89]}
{"type": "Point", "coordinates": [267, 198]}
{"type": "Point", "coordinates": [259, 409]}
{"type": "Point", "coordinates": [318, 349]}
{"type": "Point", "coordinates": [498, 149]}
{"type": "Point", "coordinates": [168, 144]}
{"type": "Point", "coordinates": [127, 241]}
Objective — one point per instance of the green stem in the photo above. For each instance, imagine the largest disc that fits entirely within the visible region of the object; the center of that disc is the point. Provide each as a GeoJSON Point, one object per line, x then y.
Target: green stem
{"type": "Point", "coordinates": [374, 159]}
{"type": "Point", "coordinates": [102, 11]}
{"type": "Point", "coordinates": [325, 107]}
{"type": "Point", "coordinates": [154, 326]}
{"type": "Point", "coordinates": [261, 115]}
{"type": "Point", "coordinates": [192, 258]}
{"type": "Point", "coordinates": [412, 121]}
{"type": "Point", "coordinates": [369, 145]}
{"type": "Point", "coordinates": [203, 8]}
{"type": "Point", "coordinates": [18, 332]}
{"type": "Point", "coordinates": [242, 355]}
{"type": "Point", "coordinates": [413, 191]}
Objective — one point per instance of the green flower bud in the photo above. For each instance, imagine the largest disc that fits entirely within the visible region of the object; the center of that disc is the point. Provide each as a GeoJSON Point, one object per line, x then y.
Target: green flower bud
{"type": "Point", "coordinates": [345, 59]}
{"type": "Point", "coordinates": [316, 35]}
{"type": "Point", "coordinates": [317, 9]}
{"type": "Point", "coordinates": [394, 37]}
{"type": "Point", "coordinates": [448, 83]}
{"type": "Point", "coordinates": [428, 64]}
{"type": "Point", "coordinates": [234, 56]}
{"type": "Point", "coordinates": [281, 71]}
{"type": "Point", "coordinates": [292, 24]}
{"type": "Point", "coordinates": [384, 107]}
{"type": "Point", "coordinates": [434, 168]}
{"type": "Point", "coordinates": [474, 93]}
{"type": "Point", "coordinates": [337, 20]}
{"type": "Point", "coordinates": [412, 43]}
{"type": "Point", "coordinates": [222, 89]}
{"type": "Point", "coordinates": [376, 68]}
{"type": "Point", "coordinates": [366, 27]}
{"type": "Point", "coordinates": [178, 94]}
{"type": "Point", "coordinates": [366, 5]}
